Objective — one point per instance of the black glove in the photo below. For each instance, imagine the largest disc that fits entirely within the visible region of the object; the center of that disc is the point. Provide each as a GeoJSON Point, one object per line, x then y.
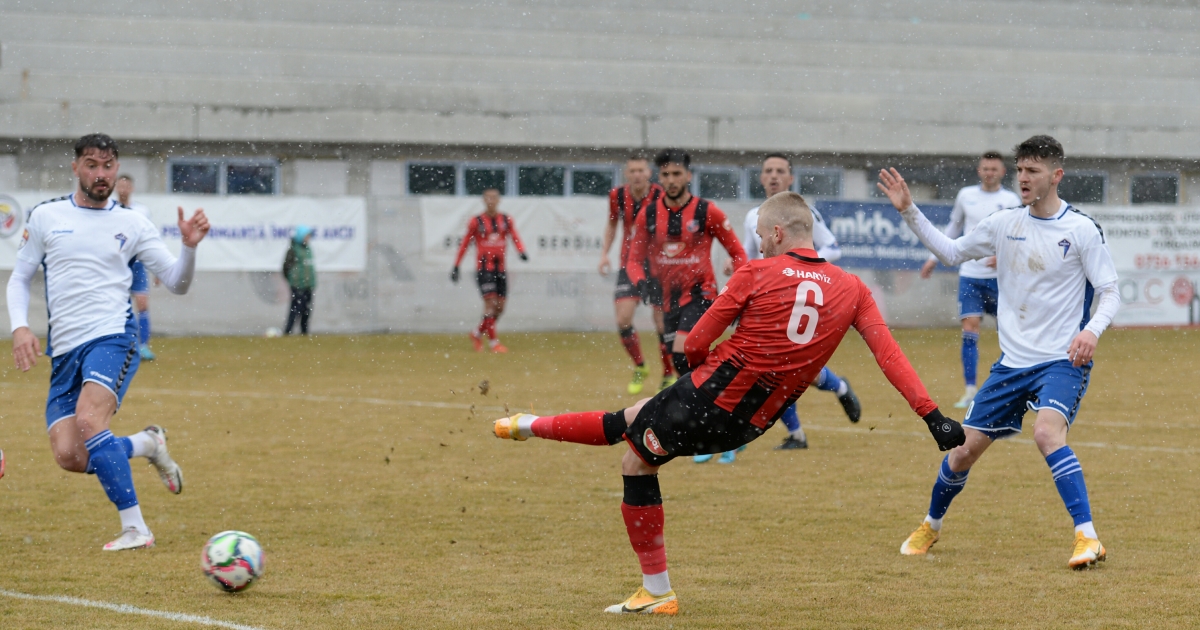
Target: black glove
{"type": "Point", "coordinates": [454, 275]}
{"type": "Point", "coordinates": [524, 256]}
{"type": "Point", "coordinates": [946, 432]}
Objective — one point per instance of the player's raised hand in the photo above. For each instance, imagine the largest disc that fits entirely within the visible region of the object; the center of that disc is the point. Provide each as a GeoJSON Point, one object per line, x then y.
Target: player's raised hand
{"type": "Point", "coordinates": [893, 185]}
{"type": "Point", "coordinates": [194, 229]}
{"type": "Point", "coordinates": [947, 433]}
{"type": "Point", "coordinates": [26, 348]}
{"type": "Point", "coordinates": [1082, 348]}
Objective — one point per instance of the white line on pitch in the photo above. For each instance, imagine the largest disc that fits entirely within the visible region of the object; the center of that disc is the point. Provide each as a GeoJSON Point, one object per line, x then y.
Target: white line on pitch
{"type": "Point", "coordinates": [128, 610]}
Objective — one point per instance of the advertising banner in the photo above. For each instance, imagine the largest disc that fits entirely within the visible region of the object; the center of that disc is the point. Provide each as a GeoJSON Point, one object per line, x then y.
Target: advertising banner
{"type": "Point", "coordinates": [559, 233]}
{"type": "Point", "coordinates": [249, 233]}
{"type": "Point", "coordinates": [873, 235]}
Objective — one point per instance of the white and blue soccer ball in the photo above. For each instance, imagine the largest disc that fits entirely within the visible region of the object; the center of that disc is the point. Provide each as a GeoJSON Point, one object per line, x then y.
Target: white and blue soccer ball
{"type": "Point", "coordinates": [232, 561]}
{"type": "Point", "coordinates": [273, 332]}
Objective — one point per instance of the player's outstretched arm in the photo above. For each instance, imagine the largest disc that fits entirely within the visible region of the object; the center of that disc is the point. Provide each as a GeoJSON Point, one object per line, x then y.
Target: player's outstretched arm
{"type": "Point", "coordinates": [26, 346]}
{"type": "Point", "coordinates": [194, 229]}
{"type": "Point", "coordinates": [724, 311]}
{"type": "Point", "coordinates": [174, 273]}
{"type": "Point", "coordinates": [639, 250]}
{"type": "Point", "coordinates": [951, 252]}
{"type": "Point", "coordinates": [718, 226]}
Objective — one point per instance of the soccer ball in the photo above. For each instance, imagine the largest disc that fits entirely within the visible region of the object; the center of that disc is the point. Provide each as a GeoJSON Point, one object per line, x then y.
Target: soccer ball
{"type": "Point", "coordinates": [232, 561]}
{"type": "Point", "coordinates": [274, 332]}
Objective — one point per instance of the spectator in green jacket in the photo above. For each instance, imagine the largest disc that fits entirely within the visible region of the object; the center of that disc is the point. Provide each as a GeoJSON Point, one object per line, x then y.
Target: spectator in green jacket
{"type": "Point", "coordinates": [301, 277]}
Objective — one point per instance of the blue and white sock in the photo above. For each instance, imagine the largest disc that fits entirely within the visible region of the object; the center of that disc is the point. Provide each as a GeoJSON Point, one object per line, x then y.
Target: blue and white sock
{"type": "Point", "coordinates": [830, 382]}
{"type": "Point", "coordinates": [792, 422]}
{"type": "Point", "coordinates": [107, 457]}
{"type": "Point", "coordinates": [143, 319]}
{"type": "Point", "coordinates": [947, 486]}
{"type": "Point", "coordinates": [970, 356]}
{"type": "Point", "coordinates": [1068, 477]}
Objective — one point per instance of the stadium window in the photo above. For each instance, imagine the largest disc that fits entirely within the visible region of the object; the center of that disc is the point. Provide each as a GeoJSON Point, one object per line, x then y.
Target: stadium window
{"type": "Point", "coordinates": [541, 181]}
{"type": "Point", "coordinates": [1083, 187]}
{"type": "Point", "coordinates": [251, 178]}
{"type": "Point", "coordinates": [1154, 188]}
{"type": "Point", "coordinates": [194, 176]}
{"type": "Point", "coordinates": [477, 179]}
{"type": "Point", "coordinates": [592, 181]}
{"type": "Point", "coordinates": [717, 183]}
{"type": "Point", "coordinates": [819, 182]}
{"type": "Point", "coordinates": [432, 179]}
{"type": "Point", "coordinates": [754, 187]}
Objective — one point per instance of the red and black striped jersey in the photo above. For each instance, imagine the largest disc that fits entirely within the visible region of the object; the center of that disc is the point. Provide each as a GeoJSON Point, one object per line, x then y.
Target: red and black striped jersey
{"type": "Point", "coordinates": [678, 244]}
{"type": "Point", "coordinates": [794, 309]}
{"type": "Point", "coordinates": [490, 233]}
{"type": "Point", "coordinates": [624, 208]}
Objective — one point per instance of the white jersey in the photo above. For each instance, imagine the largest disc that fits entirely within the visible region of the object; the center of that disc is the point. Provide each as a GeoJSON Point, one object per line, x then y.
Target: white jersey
{"type": "Point", "coordinates": [86, 254]}
{"type": "Point", "coordinates": [823, 239]}
{"type": "Point", "coordinates": [1046, 270]}
{"type": "Point", "coordinates": [972, 205]}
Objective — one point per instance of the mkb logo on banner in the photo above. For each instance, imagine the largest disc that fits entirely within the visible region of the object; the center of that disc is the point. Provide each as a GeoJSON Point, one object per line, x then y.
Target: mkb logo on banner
{"type": "Point", "coordinates": [11, 218]}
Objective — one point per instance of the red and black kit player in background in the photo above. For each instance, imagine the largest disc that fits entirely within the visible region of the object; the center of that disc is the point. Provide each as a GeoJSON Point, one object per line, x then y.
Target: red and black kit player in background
{"type": "Point", "coordinates": [675, 236]}
{"type": "Point", "coordinates": [794, 310]}
{"type": "Point", "coordinates": [490, 232]}
{"type": "Point", "coordinates": [625, 203]}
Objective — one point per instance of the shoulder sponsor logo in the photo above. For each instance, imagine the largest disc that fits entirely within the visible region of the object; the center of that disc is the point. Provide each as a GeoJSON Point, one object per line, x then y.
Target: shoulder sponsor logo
{"type": "Point", "coordinates": [62, 231]}
{"type": "Point", "coordinates": [673, 248]}
{"type": "Point", "coordinates": [652, 444]}
{"type": "Point", "coordinates": [121, 238]}
{"type": "Point", "coordinates": [1066, 245]}
{"type": "Point", "coordinates": [725, 226]}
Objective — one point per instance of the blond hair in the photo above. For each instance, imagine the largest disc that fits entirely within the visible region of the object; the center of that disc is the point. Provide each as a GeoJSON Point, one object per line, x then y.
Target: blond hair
{"type": "Point", "coordinates": [789, 211]}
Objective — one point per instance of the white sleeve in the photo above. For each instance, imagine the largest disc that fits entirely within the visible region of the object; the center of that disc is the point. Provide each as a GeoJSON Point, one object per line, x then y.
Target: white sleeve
{"type": "Point", "coordinates": [824, 241]}
{"type": "Point", "coordinates": [175, 273]}
{"type": "Point", "coordinates": [751, 240]}
{"type": "Point", "coordinates": [1106, 309]}
{"type": "Point", "coordinates": [952, 252]}
{"type": "Point", "coordinates": [18, 293]}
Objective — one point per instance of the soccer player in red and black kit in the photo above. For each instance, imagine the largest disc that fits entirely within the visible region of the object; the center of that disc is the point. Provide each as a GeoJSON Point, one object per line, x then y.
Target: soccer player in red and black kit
{"type": "Point", "coordinates": [490, 232]}
{"type": "Point", "coordinates": [625, 203]}
{"type": "Point", "coordinates": [794, 310]}
{"type": "Point", "coordinates": [675, 236]}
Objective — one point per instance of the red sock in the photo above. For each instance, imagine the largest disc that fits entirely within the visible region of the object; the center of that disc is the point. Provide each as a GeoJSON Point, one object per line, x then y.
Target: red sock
{"type": "Point", "coordinates": [586, 427]}
{"type": "Point", "coordinates": [633, 345]}
{"type": "Point", "coordinates": [645, 527]}
{"type": "Point", "coordinates": [489, 326]}
{"type": "Point", "coordinates": [668, 362]}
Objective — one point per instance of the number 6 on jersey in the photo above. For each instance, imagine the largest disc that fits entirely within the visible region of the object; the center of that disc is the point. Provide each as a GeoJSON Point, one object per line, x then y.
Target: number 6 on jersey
{"type": "Point", "coordinates": [803, 309]}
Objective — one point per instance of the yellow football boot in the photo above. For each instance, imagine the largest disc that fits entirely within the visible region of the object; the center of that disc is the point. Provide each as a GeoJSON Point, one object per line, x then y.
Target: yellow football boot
{"type": "Point", "coordinates": [643, 603]}
{"type": "Point", "coordinates": [1088, 551]}
{"type": "Point", "coordinates": [506, 428]}
{"type": "Point", "coordinates": [920, 541]}
{"type": "Point", "coordinates": [639, 379]}
{"type": "Point", "coordinates": [668, 380]}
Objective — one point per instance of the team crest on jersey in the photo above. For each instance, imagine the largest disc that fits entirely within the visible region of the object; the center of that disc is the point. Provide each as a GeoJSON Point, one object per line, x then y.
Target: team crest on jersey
{"type": "Point", "coordinates": [673, 248]}
{"type": "Point", "coordinates": [494, 236]}
{"type": "Point", "coordinates": [24, 239]}
{"type": "Point", "coordinates": [122, 238]}
{"type": "Point", "coordinates": [1066, 245]}
{"type": "Point", "coordinates": [693, 226]}
{"type": "Point", "coordinates": [652, 444]}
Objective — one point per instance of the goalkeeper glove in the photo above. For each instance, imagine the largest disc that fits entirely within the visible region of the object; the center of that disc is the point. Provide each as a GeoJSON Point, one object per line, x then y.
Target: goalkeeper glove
{"type": "Point", "coordinates": [946, 432]}
{"type": "Point", "coordinates": [454, 275]}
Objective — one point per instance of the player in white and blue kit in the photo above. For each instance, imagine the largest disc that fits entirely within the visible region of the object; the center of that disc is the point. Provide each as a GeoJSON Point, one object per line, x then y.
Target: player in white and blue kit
{"type": "Point", "coordinates": [1051, 261]}
{"type": "Point", "coordinates": [141, 279]}
{"type": "Point", "coordinates": [776, 177]}
{"type": "Point", "coordinates": [977, 290]}
{"type": "Point", "coordinates": [85, 243]}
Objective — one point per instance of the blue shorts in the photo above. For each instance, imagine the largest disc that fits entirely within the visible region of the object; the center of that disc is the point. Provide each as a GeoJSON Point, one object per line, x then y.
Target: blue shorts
{"type": "Point", "coordinates": [1009, 392]}
{"type": "Point", "coordinates": [141, 279]}
{"type": "Point", "coordinates": [977, 297]}
{"type": "Point", "coordinates": [110, 361]}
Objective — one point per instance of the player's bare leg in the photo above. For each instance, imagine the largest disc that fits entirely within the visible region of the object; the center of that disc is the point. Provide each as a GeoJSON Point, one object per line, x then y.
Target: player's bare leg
{"type": "Point", "coordinates": [1050, 435]}
{"type": "Point", "coordinates": [624, 309]}
{"type": "Point", "coordinates": [664, 350]}
{"type": "Point", "coordinates": [951, 478]}
{"type": "Point", "coordinates": [970, 357]}
{"type": "Point", "coordinates": [497, 309]}
{"type": "Point", "coordinates": [642, 503]}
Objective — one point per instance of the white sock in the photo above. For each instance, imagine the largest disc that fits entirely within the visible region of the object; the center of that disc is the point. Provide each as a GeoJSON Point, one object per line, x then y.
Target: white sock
{"type": "Point", "coordinates": [799, 434]}
{"type": "Point", "coordinates": [1087, 529]}
{"type": "Point", "coordinates": [143, 444]}
{"type": "Point", "coordinates": [843, 388]}
{"type": "Point", "coordinates": [525, 425]}
{"type": "Point", "coordinates": [934, 523]}
{"type": "Point", "coordinates": [972, 390]}
{"type": "Point", "coordinates": [657, 584]}
{"type": "Point", "coordinates": [132, 517]}
{"type": "Point", "coordinates": [494, 342]}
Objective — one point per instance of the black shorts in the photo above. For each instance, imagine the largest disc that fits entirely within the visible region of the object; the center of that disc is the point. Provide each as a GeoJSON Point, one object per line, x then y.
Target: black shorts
{"type": "Point", "coordinates": [682, 421]}
{"type": "Point", "coordinates": [492, 283]}
{"type": "Point", "coordinates": [625, 289]}
{"type": "Point", "coordinates": [684, 318]}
